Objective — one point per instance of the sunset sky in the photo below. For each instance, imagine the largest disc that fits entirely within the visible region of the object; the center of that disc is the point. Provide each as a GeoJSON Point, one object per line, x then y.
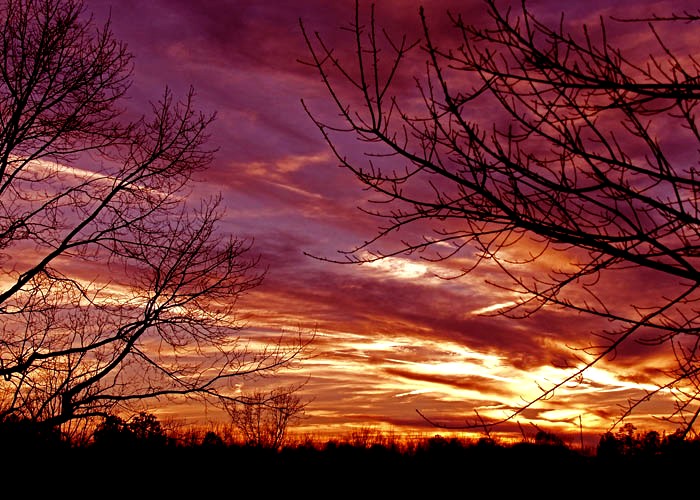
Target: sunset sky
{"type": "Point", "coordinates": [391, 337]}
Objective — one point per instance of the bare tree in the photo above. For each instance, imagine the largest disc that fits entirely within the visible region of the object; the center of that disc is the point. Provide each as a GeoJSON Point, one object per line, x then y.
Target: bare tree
{"type": "Point", "coordinates": [263, 418]}
{"type": "Point", "coordinates": [524, 134]}
{"type": "Point", "coordinates": [116, 287]}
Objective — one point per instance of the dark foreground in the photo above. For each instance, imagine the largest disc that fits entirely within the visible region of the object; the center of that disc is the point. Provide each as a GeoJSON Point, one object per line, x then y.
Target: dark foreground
{"type": "Point", "coordinates": [441, 469]}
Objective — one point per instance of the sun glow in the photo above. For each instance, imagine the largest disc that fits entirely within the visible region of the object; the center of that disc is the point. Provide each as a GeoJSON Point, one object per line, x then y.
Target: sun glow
{"type": "Point", "coordinates": [399, 268]}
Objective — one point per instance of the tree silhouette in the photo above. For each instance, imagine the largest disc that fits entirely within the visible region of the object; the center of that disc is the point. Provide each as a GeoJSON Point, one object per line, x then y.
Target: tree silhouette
{"type": "Point", "coordinates": [557, 155]}
{"type": "Point", "coordinates": [142, 430]}
{"type": "Point", "coordinates": [263, 418]}
{"type": "Point", "coordinates": [117, 288]}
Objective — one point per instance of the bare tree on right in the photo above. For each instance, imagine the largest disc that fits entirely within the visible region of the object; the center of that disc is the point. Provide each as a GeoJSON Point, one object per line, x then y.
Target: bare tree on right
{"type": "Point", "coordinates": [526, 134]}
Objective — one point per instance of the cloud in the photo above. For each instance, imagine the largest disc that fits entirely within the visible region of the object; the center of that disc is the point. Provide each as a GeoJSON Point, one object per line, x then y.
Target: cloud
{"type": "Point", "coordinates": [391, 336]}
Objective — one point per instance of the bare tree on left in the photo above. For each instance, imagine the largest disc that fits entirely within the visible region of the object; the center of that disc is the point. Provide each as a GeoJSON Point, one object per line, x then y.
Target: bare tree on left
{"type": "Point", "coordinates": [116, 287]}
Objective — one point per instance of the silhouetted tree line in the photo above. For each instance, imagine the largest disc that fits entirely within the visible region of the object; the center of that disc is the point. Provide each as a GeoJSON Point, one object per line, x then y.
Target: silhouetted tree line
{"type": "Point", "coordinates": [141, 453]}
{"type": "Point", "coordinates": [144, 431]}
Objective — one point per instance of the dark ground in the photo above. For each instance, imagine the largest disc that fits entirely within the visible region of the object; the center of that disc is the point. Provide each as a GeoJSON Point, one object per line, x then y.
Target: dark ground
{"type": "Point", "coordinates": [442, 469]}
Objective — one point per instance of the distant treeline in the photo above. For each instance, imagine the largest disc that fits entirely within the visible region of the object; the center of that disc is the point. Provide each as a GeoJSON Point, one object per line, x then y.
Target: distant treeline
{"type": "Point", "coordinates": [142, 454]}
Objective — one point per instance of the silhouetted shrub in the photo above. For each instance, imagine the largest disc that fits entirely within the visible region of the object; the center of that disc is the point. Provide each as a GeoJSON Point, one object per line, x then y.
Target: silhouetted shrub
{"type": "Point", "coordinates": [212, 440]}
{"type": "Point", "coordinates": [548, 439]}
{"type": "Point", "coordinates": [26, 435]}
{"type": "Point", "coordinates": [144, 430]}
{"type": "Point", "coordinates": [609, 446]}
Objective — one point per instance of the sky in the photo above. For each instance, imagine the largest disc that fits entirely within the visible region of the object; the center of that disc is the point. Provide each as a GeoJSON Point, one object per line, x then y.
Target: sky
{"type": "Point", "coordinates": [391, 338]}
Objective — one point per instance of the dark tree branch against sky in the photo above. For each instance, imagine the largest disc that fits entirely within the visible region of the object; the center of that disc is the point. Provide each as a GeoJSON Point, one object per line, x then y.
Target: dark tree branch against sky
{"type": "Point", "coordinates": [547, 151]}
{"type": "Point", "coordinates": [510, 188]}
{"type": "Point", "coordinates": [118, 289]}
